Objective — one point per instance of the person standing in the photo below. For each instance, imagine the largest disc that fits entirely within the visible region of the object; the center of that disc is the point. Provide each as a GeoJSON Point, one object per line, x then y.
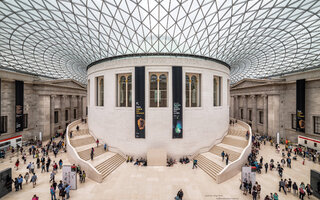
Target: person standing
{"type": "Point", "coordinates": [26, 177]}
{"type": "Point", "coordinates": [180, 194]}
{"type": "Point", "coordinates": [60, 163]}
{"type": "Point", "coordinates": [83, 176]}
{"type": "Point", "coordinates": [308, 188]}
{"type": "Point", "coordinates": [295, 189]}
{"type": "Point", "coordinates": [289, 185]}
{"type": "Point", "coordinates": [20, 180]}
{"type": "Point", "coordinates": [281, 185]}
{"type": "Point", "coordinates": [53, 193]}
{"type": "Point", "coordinates": [67, 190]}
{"type": "Point", "coordinates": [266, 167]}
{"type": "Point", "coordinates": [97, 142]}
{"type": "Point", "coordinates": [17, 164]}
{"type": "Point", "coordinates": [105, 147]}
{"type": "Point", "coordinates": [35, 197]}
{"type": "Point", "coordinates": [222, 155]}
{"type": "Point", "coordinates": [227, 159]}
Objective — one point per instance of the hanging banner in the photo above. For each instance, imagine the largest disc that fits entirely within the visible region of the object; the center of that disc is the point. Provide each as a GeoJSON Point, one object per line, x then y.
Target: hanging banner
{"type": "Point", "coordinates": [300, 104]}
{"type": "Point", "coordinates": [19, 105]}
{"type": "Point", "coordinates": [177, 102]}
{"type": "Point", "coordinates": [0, 106]}
{"type": "Point", "coordinates": [139, 102]}
{"type": "Point", "coordinates": [69, 176]}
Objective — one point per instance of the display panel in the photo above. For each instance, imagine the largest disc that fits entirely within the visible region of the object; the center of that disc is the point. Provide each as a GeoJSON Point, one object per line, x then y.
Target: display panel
{"type": "Point", "coordinates": [177, 130]}
{"type": "Point", "coordinates": [140, 102]}
{"type": "Point", "coordinates": [5, 182]}
{"type": "Point", "coordinates": [315, 182]}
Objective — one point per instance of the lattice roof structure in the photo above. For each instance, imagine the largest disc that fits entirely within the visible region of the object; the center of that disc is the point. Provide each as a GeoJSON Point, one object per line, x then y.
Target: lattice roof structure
{"type": "Point", "coordinates": [257, 38]}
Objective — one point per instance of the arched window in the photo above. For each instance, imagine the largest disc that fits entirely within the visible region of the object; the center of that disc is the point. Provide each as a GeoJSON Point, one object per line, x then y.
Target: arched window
{"type": "Point", "coordinates": [124, 98]}
{"type": "Point", "coordinates": [217, 91]}
{"type": "Point", "coordinates": [193, 90]}
{"type": "Point", "coordinates": [158, 89]}
{"type": "Point", "coordinates": [100, 91]}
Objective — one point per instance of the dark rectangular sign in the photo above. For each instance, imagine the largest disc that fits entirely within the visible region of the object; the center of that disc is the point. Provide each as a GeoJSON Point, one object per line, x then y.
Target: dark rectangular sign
{"type": "Point", "coordinates": [300, 104]}
{"type": "Point", "coordinates": [19, 106]}
{"type": "Point", "coordinates": [177, 102]}
{"type": "Point", "coordinates": [139, 102]}
{"type": "Point", "coordinates": [5, 182]}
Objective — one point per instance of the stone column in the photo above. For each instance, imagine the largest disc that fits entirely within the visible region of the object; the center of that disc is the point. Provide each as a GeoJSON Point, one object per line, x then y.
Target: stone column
{"type": "Point", "coordinates": [63, 111]}
{"type": "Point", "coordinates": [52, 97]}
{"type": "Point", "coordinates": [245, 107]}
{"type": "Point", "coordinates": [232, 107]}
{"type": "Point", "coordinates": [79, 99]}
{"type": "Point", "coordinates": [71, 109]}
{"type": "Point", "coordinates": [265, 114]}
{"type": "Point", "coordinates": [254, 113]}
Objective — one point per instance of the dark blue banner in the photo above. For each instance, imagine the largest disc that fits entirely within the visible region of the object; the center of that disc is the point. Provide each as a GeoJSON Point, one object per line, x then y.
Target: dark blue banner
{"type": "Point", "coordinates": [177, 130]}
{"type": "Point", "coordinates": [140, 102]}
{"type": "Point", "coordinates": [19, 105]}
{"type": "Point", "coordinates": [300, 104]}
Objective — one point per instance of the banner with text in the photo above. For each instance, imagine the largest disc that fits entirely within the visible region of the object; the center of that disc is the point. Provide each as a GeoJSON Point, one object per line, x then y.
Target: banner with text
{"type": "Point", "coordinates": [139, 102]}
{"type": "Point", "coordinates": [300, 104]}
{"type": "Point", "coordinates": [19, 105]}
{"type": "Point", "coordinates": [177, 102]}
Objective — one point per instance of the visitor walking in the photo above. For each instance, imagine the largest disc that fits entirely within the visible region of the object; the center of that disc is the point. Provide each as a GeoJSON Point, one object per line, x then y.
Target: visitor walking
{"type": "Point", "coordinates": [53, 193]}
{"type": "Point", "coordinates": [105, 147]}
{"type": "Point", "coordinates": [295, 189]}
{"type": "Point", "coordinates": [97, 142]}
{"type": "Point", "coordinates": [34, 180]}
{"type": "Point", "coordinates": [281, 185]}
{"type": "Point", "coordinates": [67, 190]}
{"type": "Point", "coordinates": [17, 164]}
{"type": "Point", "coordinates": [227, 159]}
{"type": "Point", "coordinates": [266, 165]}
{"type": "Point", "coordinates": [195, 164]}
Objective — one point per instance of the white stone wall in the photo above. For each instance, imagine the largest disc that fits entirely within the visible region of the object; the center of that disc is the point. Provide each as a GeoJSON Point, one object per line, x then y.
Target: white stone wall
{"type": "Point", "coordinates": [115, 125]}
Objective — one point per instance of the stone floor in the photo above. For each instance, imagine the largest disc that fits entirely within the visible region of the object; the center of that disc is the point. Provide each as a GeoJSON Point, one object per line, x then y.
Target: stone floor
{"type": "Point", "coordinates": [138, 183]}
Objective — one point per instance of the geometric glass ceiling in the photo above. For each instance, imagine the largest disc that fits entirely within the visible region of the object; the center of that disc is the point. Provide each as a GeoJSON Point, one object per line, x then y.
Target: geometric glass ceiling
{"type": "Point", "coordinates": [257, 38]}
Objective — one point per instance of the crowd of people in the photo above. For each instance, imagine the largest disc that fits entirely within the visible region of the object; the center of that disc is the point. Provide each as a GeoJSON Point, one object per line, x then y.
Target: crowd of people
{"type": "Point", "coordinates": [287, 185]}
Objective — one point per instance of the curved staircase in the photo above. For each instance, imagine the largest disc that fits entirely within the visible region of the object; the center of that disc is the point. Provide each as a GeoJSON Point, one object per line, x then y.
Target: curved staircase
{"type": "Point", "coordinates": [233, 144]}
{"type": "Point", "coordinates": [104, 162]}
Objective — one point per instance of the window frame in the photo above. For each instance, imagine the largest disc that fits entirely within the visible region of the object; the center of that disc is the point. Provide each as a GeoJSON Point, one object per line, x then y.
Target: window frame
{"type": "Point", "coordinates": [261, 117]}
{"type": "Point", "coordinates": [56, 117]}
{"type": "Point", "coordinates": [293, 121]}
{"type": "Point", "coordinates": [250, 115]}
{"type": "Point", "coordinates": [188, 103]}
{"type": "Point", "coordinates": [74, 113]}
{"type": "Point", "coordinates": [158, 91]}
{"type": "Point", "coordinates": [3, 124]}
{"type": "Point", "coordinates": [128, 93]}
{"type": "Point", "coordinates": [316, 124]}
{"type": "Point", "coordinates": [217, 101]}
{"type": "Point", "coordinates": [25, 121]}
{"type": "Point", "coordinates": [100, 91]}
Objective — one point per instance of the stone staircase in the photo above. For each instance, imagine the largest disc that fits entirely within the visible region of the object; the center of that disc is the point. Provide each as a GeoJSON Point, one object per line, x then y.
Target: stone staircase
{"type": "Point", "coordinates": [86, 154]}
{"type": "Point", "coordinates": [108, 166]}
{"type": "Point", "coordinates": [232, 144]}
{"type": "Point", "coordinates": [233, 155]}
{"type": "Point", "coordinates": [103, 161]}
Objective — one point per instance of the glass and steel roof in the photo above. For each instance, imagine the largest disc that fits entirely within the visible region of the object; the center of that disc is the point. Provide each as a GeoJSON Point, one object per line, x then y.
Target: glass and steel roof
{"type": "Point", "coordinates": [257, 38]}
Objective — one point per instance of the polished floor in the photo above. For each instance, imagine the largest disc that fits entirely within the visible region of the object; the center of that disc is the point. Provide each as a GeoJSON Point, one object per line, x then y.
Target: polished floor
{"type": "Point", "coordinates": [139, 183]}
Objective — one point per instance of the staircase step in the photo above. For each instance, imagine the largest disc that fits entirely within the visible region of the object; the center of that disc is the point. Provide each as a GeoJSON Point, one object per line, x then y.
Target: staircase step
{"type": "Point", "coordinates": [86, 154]}
{"type": "Point", "coordinates": [82, 141]}
{"type": "Point", "coordinates": [210, 167]}
{"type": "Point", "coordinates": [232, 154]}
{"type": "Point", "coordinates": [234, 142]}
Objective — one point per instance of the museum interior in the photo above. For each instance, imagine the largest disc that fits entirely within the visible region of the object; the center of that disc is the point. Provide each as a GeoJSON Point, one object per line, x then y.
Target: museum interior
{"type": "Point", "coordinates": [159, 99]}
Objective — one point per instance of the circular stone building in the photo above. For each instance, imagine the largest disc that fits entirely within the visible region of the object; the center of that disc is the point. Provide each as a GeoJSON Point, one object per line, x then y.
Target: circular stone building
{"type": "Point", "coordinates": [179, 103]}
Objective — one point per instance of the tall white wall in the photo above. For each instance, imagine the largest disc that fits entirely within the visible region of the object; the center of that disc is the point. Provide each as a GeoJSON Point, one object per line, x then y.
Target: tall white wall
{"type": "Point", "coordinates": [116, 125]}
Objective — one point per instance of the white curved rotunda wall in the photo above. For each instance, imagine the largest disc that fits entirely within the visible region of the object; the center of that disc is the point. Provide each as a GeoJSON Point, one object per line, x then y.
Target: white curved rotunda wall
{"type": "Point", "coordinates": [116, 125]}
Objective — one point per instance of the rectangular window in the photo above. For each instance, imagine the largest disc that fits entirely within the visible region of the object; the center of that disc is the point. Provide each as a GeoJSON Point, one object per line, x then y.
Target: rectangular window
{"type": "Point", "coordinates": [5, 144]}
{"type": "Point", "coordinates": [56, 117]}
{"type": "Point", "coordinates": [158, 89]}
{"type": "Point", "coordinates": [124, 88]}
{"type": "Point", "coordinates": [316, 124]}
{"type": "Point", "coordinates": [18, 140]}
{"type": "Point", "coordinates": [241, 113]}
{"type": "Point", "coordinates": [193, 90]}
{"type": "Point", "coordinates": [74, 113]}
{"type": "Point", "coordinates": [88, 93]}
{"type": "Point", "coordinates": [3, 124]}
{"type": "Point", "coordinates": [217, 81]}
{"type": "Point", "coordinates": [67, 115]}
{"type": "Point", "coordinates": [261, 117]}
{"type": "Point", "coordinates": [315, 144]}
{"type": "Point", "coordinates": [250, 115]}
{"type": "Point", "coordinates": [293, 121]}
{"type": "Point", "coordinates": [305, 142]}
{"type": "Point", "coordinates": [100, 91]}
{"type": "Point", "coordinates": [25, 120]}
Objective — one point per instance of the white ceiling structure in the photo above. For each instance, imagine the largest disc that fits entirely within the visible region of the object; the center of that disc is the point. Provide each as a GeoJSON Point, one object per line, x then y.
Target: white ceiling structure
{"type": "Point", "coordinates": [257, 38]}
